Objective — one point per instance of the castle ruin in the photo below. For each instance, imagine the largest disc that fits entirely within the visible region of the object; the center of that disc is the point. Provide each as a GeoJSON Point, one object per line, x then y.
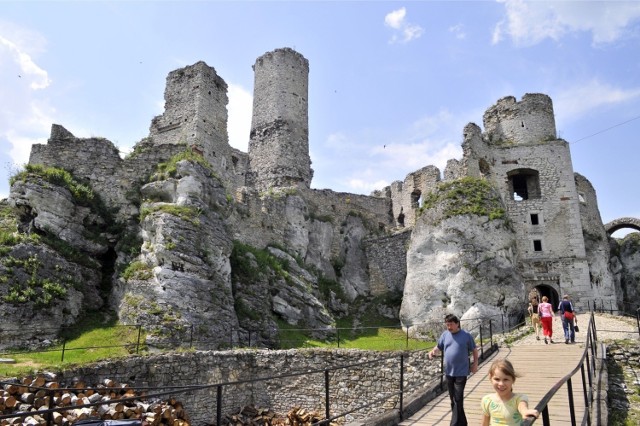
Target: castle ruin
{"type": "Point", "coordinates": [360, 241]}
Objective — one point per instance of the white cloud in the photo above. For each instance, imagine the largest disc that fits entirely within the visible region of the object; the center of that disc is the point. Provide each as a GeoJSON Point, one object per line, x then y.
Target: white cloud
{"type": "Point", "coordinates": [375, 160]}
{"type": "Point", "coordinates": [528, 23]}
{"type": "Point", "coordinates": [395, 19]}
{"type": "Point", "coordinates": [583, 97]}
{"type": "Point", "coordinates": [25, 115]}
{"type": "Point", "coordinates": [405, 31]}
{"type": "Point", "coordinates": [240, 111]}
{"type": "Point", "coordinates": [366, 187]}
{"type": "Point", "coordinates": [458, 31]}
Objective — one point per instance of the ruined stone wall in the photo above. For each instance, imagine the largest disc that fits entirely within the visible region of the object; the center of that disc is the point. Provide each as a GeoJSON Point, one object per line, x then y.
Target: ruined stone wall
{"type": "Point", "coordinates": [406, 196]}
{"type": "Point", "coordinates": [348, 388]}
{"type": "Point", "coordinates": [477, 157]}
{"type": "Point", "coordinates": [511, 122]}
{"type": "Point", "coordinates": [387, 263]}
{"type": "Point", "coordinates": [97, 161]}
{"type": "Point", "coordinates": [279, 140]}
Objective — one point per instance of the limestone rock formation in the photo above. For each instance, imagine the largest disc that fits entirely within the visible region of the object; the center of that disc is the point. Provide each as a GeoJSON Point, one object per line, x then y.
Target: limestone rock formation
{"type": "Point", "coordinates": [184, 279]}
{"type": "Point", "coordinates": [625, 265]}
{"type": "Point", "coordinates": [461, 262]}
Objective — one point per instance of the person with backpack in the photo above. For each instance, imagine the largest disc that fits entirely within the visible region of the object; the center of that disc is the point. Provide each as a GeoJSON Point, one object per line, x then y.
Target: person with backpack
{"type": "Point", "coordinates": [568, 315]}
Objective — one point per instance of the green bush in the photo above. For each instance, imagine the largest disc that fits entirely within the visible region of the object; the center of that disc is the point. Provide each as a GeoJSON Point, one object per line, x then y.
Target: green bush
{"type": "Point", "coordinates": [137, 270]}
{"type": "Point", "coordinates": [168, 169]}
{"type": "Point", "coordinates": [188, 213]}
{"type": "Point", "coordinates": [34, 289]}
{"type": "Point", "coordinates": [242, 268]}
{"type": "Point", "coordinates": [466, 196]}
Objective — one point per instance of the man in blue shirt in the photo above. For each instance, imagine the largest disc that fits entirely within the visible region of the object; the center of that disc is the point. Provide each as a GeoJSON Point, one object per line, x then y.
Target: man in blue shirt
{"type": "Point", "coordinates": [456, 344]}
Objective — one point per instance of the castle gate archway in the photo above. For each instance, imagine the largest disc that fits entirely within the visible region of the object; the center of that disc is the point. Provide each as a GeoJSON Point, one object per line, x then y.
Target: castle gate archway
{"type": "Point", "coordinates": [545, 290]}
{"type": "Point", "coordinates": [623, 222]}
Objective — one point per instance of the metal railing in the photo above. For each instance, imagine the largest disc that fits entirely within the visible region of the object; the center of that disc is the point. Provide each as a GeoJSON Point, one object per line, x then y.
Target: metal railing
{"type": "Point", "coordinates": [484, 332]}
{"type": "Point", "coordinates": [587, 368]}
{"type": "Point", "coordinates": [135, 344]}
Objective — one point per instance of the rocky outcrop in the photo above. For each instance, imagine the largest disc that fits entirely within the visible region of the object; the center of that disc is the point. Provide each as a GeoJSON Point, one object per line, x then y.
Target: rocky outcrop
{"type": "Point", "coordinates": [184, 275]}
{"type": "Point", "coordinates": [625, 266]}
{"type": "Point", "coordinates": [49, 275]}
{"type": "Point", "coordinates": [463, 264]}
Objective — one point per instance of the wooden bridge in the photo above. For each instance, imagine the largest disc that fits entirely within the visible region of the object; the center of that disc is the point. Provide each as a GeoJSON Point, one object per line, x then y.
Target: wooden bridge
{"type": "Point", "coordinates": [540, 367]}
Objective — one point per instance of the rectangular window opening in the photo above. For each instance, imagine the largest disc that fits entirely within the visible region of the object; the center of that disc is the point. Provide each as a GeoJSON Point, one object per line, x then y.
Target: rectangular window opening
{"type": "Point", "coordinates": [534, 219]}
{"type": "Point", "coordinates": [537, 245]}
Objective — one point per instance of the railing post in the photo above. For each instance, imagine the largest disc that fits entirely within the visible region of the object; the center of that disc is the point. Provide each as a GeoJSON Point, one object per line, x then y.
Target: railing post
{"type": "Point", "coordinates": [502, 315]}
{"type": "Point", "coordinates": [442, 371]}
{"type": "Point", "coordinates": [572, 408]}
{"type": "Point", "coordinates": [638, 320]}
{"type": "Point", "coordinates": [138, 340]}
{"type": "Point", "coordinates": [64, 344]}
{"type": "Point", "coordinates": [491, 332]}
{"type": "Point", "coordinates": [545, 416]}
{"type": "Point", "coordinates": [338, 334]}
{"type": "Point", "coordinates": [191, 337]}
{"type": "Point", "coordinates": [481, 345]}
{"type": "Point", "coordinates": [401, 385]}
{"type": "Point", "coordinates": [326, 394]}
{"type": "Point", "coordinates": [407, 344]}
{"type": "Point", "coordinates": [50, 415]}
{"type": "Point", "coordinates": [587, 401]}
{"type": "Point", "coordinates": [219, 405]}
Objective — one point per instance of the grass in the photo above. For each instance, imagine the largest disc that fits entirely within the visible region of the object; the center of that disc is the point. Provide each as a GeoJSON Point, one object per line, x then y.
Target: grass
{"type": "Point", "coordinates": [98, 339]}
{"type": "Point", "coordinates": [378, 338]}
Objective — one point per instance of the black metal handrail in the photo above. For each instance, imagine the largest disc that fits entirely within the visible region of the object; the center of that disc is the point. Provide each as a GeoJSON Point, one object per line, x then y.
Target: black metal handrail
{"type": "Point", "coordinates": [176, 390]}
{"type": "Point", "coordinates": [136, 345]}
{"type": "Point", "coordinates": [586, 365]}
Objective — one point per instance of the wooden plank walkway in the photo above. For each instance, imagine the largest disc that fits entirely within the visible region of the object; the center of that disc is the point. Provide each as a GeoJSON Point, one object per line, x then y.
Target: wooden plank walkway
{"type": "Point", "coordinates": [540, 366]}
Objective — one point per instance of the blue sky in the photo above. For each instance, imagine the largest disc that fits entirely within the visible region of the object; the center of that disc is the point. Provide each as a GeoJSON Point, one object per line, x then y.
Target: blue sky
{"type": "Point", "coordinates": [391, 83]}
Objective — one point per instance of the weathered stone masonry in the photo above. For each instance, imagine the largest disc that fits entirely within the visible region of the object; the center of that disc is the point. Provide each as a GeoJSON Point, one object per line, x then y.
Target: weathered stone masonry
{"type": "Point", "coordinates": [349, 388]}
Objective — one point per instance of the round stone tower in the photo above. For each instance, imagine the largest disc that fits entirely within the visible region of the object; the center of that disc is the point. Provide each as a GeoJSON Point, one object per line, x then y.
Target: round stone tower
{"type": "Point", "coordinates": [279, 141]}
{"type": "Point", "coordinates": [531, 120]}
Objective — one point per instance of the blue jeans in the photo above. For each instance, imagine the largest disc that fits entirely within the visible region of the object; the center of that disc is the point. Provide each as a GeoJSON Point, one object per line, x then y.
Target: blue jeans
{"type": "Point", "coordinates": [456, 394]}
{"type": "Point", "coordinates": [569, 331]}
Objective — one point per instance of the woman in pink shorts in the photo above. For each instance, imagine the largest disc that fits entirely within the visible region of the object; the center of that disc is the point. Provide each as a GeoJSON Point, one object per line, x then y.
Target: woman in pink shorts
{"type": "Point", "coordinates": [545, 310]}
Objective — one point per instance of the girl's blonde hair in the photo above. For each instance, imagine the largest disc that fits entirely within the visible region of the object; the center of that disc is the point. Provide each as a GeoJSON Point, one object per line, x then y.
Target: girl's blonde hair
{"type": "Point", "coordinates": [505, 366]}
{"type": "Point", "coordinates": [545, 298]}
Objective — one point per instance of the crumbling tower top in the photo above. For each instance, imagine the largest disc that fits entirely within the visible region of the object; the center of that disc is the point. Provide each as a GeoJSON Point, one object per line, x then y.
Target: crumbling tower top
{"type": "Point", "coordinates": [529, 121]}
{"type": "Point", "coordinates": [279, 140]}
{"type": "Point", "coordinates": [195, 110]}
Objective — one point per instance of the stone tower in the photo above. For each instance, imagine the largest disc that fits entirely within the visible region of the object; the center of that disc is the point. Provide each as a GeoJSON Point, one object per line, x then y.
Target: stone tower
{"type": "Point", "coordinates": [195, 111]}
{"type": "Point", "coordinates": [279, 140]}
{"type": "Point", "coordinates": [195, 115]}
{"type": "Point", "coordinates": [532, 169]}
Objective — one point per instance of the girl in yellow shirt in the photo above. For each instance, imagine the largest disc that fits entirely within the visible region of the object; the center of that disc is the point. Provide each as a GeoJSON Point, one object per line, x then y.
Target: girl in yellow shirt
{"type": "Point", "coordinates": [504, 407]}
